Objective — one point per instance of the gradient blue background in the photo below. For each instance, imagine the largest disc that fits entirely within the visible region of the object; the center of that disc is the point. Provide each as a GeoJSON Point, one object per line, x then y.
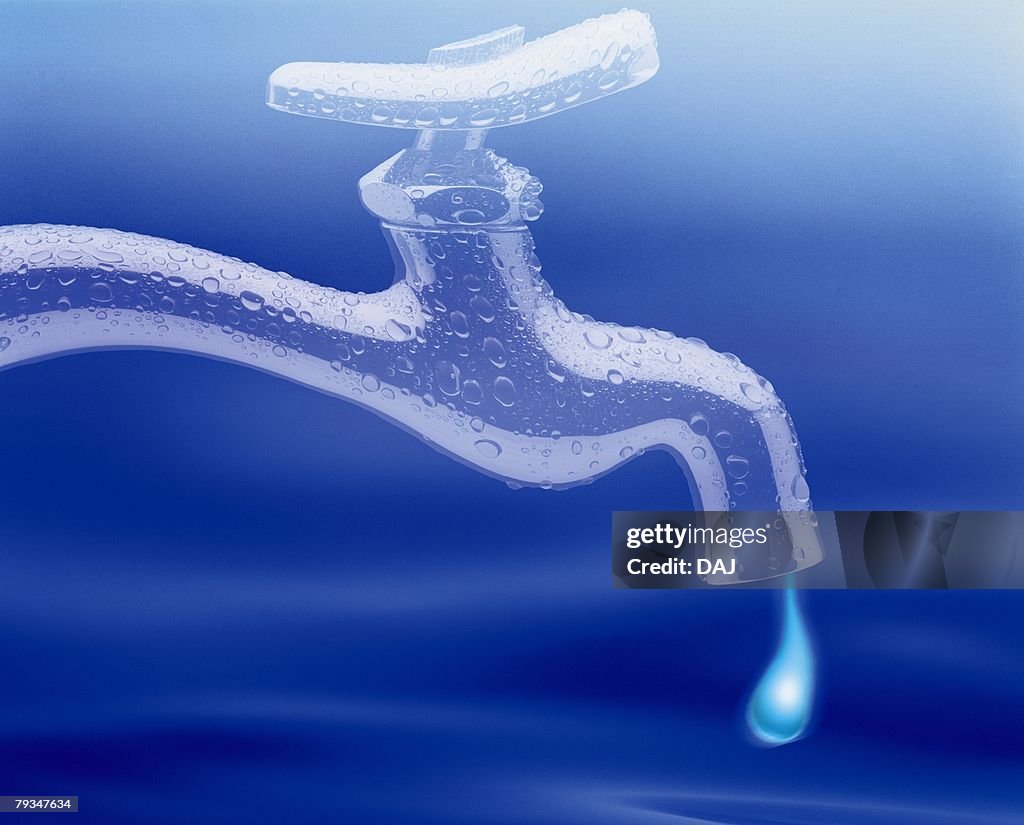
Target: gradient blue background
{"type": "Point", "coordinates": [224, 598]}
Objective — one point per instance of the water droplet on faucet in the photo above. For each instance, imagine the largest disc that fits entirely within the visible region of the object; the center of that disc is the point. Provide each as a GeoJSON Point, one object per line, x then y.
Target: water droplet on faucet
{"type": "Point", "coordinates": [488, 448]}
{"type": "Point", "coordinates": [598, 338]}
{"type": "Point", "coordinates": [251, 300]}
{"type": "Point", "coordinates": [495, 351]}
{"type": "Point", "coordinates": [504, 391]}
{"type": "Point", "coordinates": [448, 378]}
{"type": "Point", "coordinates": [801, 490]}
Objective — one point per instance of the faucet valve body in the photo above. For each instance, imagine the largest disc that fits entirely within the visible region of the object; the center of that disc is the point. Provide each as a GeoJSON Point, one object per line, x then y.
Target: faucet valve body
{"type": "Point", "coordinates": [463, 189]}
{"type": "Point", "coordinates": [447, 179]}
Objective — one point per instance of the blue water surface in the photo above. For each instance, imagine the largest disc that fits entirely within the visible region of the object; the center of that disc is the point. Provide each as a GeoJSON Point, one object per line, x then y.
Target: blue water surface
{"type": "Point", "coordinates": [224, 598]}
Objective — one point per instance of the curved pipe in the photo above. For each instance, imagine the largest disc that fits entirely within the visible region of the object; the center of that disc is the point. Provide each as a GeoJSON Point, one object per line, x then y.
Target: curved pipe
{"type": "Point", "coordinates": [468, 348]}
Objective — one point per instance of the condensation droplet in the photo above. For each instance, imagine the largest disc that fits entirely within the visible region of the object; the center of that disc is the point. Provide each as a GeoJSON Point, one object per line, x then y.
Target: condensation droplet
{"type": "Point", "coordinates": [752, 393]}
{"type": "Point", "coordinates": [448, 377]}
{"type": "Point", "coordinates": [251, 300]}
{"type": "Point", "coordinates": [472, 392]}
{"type": "Point", "coordinates": [801, 491]}
{"type": "Point", "coordinates": [482, 307]}
{"type": "Point", "coordinates": [495, 351]}
{"type": "Point", "coordinates": [460, 324]}
{"type": "Point", "coordinates": [397, 330]}
{"type": "Point", "coordinates": [504, 391]}
{"type": "Point", "coordinates": [737, 466]}
{"type": "Point", "coordinates": [101, 292]}
{"type": "Point", "coordinates": [488, 448]}
{"type": "Point", "coordinates": [699, 424]}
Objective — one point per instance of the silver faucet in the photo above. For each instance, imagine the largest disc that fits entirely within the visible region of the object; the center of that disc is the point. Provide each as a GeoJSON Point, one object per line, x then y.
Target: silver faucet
{"type": "Point", "coordinates": [469, 348]}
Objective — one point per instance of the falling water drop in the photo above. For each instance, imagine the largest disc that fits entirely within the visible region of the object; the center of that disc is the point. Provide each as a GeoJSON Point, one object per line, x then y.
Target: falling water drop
{"type": "Point", "coordinates": [781, 704]}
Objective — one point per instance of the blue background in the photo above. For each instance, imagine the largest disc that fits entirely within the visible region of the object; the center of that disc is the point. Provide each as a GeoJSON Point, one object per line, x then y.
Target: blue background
{"type": "Point", "coordinates": [226, 598]}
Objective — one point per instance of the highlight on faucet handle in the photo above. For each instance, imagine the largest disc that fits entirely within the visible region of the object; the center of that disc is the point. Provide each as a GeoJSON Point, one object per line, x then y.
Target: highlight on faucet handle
{"type": "Point", "coordinates": [482, 83]}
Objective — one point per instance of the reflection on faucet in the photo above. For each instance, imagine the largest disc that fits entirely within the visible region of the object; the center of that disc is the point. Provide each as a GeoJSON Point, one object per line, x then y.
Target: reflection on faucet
{"type": "Point", "coordinates": [469, 348]}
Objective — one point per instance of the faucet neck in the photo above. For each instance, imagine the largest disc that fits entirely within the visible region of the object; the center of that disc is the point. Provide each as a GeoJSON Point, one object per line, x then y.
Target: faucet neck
{"type": "Point", "coordinates": [491, 273]}
{"type": "Point", "coordinates": [444, 142]}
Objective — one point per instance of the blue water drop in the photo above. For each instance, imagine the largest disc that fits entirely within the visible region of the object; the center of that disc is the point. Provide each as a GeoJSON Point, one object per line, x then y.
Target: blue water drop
{"type": "Point", "coordinates": [781, 704]}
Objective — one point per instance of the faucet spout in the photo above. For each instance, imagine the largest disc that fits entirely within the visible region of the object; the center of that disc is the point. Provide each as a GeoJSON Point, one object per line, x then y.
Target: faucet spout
{"type": "Point", "coordinates": [469, 349]}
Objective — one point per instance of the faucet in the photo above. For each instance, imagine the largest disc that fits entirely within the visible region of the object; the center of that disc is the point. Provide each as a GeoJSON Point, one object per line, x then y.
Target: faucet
{"type": "Point", "coordinates": [469, 348]}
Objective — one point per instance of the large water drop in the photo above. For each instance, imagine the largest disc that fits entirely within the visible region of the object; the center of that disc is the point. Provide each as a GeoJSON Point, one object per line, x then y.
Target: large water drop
{"type": "Point", "coordinates": [781, 705]}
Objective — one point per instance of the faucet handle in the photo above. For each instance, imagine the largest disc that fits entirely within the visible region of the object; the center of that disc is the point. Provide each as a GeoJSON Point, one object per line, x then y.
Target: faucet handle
{"type": "Point", "coordinates": [488, 81]}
